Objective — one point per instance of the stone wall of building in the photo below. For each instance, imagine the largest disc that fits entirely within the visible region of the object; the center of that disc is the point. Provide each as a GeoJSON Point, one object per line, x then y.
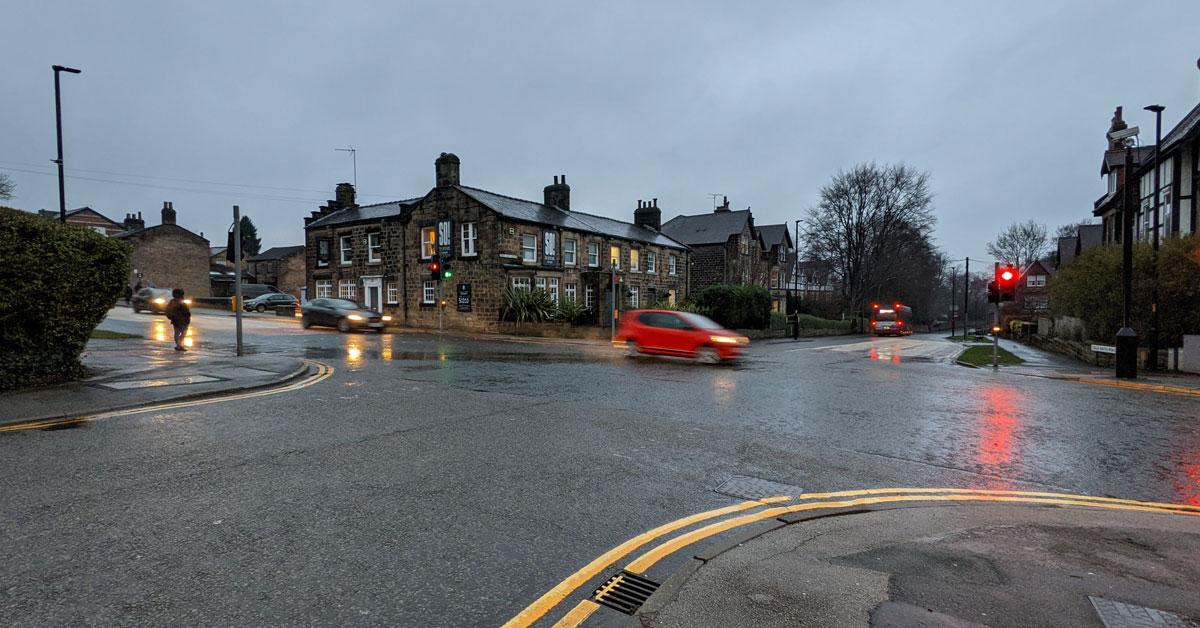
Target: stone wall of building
{"type": "Point", "coordinates": [170, 257]}
{"type": "Point", "coordinates": [291, 274]}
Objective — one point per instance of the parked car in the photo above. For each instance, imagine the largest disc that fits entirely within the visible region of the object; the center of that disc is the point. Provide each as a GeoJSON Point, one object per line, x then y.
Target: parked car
{"type": "Point", "coordinates": [340, 313]}
{"type": "Point", "coordinates": [665, 332]}
{"type": "Point", "coordinates": [270, 301]}
{"type": "Point", "coordinates": [153, 300]}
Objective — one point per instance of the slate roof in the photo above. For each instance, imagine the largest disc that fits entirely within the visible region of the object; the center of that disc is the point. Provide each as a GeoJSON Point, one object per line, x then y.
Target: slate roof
{"type": "Point", "coordinates": [1090, 236]}
{"type": "Point", "coordinates": [276, 253]}
{"type": "Point", "coordinates": [775, 234]}
{"type": "Point", "coordinates": [533, 212]}
{"type": "Point", "coordinates": [1066, 249]}
{"type": "Point", "coordinates": [713, 228]}
{"type": "Point", "coordinates": [1116, 158]}
{"type": "Point", "coordinates": [133, 232]}
{"type": "Point", "coordinates": [1189, 123]}
{"type": "Point", "coordinates": [363, 213]}
{"type": "Point", "coordinates": [216, 250]}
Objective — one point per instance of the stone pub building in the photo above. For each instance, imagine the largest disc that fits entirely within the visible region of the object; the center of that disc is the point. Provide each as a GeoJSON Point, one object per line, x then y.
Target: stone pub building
{"type": "Point", "coordinates": [379, 255]}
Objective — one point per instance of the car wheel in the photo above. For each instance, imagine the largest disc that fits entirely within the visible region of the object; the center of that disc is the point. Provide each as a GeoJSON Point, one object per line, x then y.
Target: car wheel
{"type": "Point", "coordinates": [137, 310]}
{"type": "Point", "coordinates": [260, 308]}
{"type": "Point", "coordinates": [632, 349]}
{"type": "Point", "coordinates": [343, 325]}
{"type": "Point", "coordinates": [304, 322]}
{"type": "Point", "coordinates": [708, 355]}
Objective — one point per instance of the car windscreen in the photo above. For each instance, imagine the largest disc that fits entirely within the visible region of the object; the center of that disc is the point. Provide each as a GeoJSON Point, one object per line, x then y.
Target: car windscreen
{"type": "Point", "coordinates": [699, 322]}
{"type": "Point", "coordinates": [343, 304]}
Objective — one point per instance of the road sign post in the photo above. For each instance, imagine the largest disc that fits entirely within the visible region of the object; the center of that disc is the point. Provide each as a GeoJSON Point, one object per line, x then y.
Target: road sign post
{"type": "Point", "coordinates": [237, 274]}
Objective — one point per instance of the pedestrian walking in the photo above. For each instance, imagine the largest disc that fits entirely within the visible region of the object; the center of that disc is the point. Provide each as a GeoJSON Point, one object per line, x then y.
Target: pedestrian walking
{"type": "Point", "coordinates": [128, 293]}
{"type": "Point", "coordinates": [138, 288]}
{"type": "Point", "coordinates": [180, 316]}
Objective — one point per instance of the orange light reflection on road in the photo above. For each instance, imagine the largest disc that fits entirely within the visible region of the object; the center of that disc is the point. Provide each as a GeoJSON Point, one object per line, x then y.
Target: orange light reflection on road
{"type": "Point", "coordinates": [353, 349]}
{"type": "Point", "coordinates": [998, 427]}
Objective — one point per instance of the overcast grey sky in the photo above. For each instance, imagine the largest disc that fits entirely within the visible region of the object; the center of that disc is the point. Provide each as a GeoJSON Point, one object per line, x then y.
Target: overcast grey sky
{"type": "Point", "coordinates": [1004, 103]}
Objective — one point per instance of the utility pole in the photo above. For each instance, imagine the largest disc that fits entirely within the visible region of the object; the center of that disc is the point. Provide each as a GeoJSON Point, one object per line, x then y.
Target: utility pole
{"type": "Point", "coordinates": [996, 323]}
{"type": "Point", "coordinates": [353, 162]}
{"type": "Point", "coordinates": [237, 281]}
{"type": "Point", "coordinates": [966, 296]}
{"type": "Point", "coordinates": [62, 186]}
{"type": "Point", "coordinates": [1152, 363]}
{"type": "Point", "coordinates": [953, 285]}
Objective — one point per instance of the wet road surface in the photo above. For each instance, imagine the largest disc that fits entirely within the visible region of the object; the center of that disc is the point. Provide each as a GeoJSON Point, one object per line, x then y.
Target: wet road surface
{"type": "Point", "coordinates": [450, 481]}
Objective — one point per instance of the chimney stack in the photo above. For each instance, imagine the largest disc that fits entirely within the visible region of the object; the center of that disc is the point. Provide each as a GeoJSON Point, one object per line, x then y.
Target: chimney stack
{"type": "Point", "coordinates": [344, 195]}
{"type": "Point", "coordinates": [168, 213]}
{"type": "Point", "coordinates": [446, 167]}
{"type": "Point", "coordinates": [558, 194]}
{"type": "Point", "coordinates": [648, 215]}
{"type": "Point", "coordinates": [724, 205]}
{"type": "Point", "coordinates": [133, 222]}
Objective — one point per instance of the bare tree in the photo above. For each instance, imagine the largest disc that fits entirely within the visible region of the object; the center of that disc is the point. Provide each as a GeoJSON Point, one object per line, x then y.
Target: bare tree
{"type": "Point", "coordinates": [7, 187]}
{"type": "Point", "coordinates": [864, 218]}
{"type": "Point", "coordinates": [1019, 244]}
{"type": "Point", "coordinates": [1071, 230]}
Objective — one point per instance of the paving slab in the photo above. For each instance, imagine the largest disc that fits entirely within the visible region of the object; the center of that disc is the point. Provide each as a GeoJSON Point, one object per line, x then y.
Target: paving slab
{"type": "Point", "coordinates": [133, 372]}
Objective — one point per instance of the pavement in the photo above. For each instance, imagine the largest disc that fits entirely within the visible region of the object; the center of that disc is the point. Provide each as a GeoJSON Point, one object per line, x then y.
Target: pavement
{"type": "Point", "coordinates": [955, 565]}
{"type": "Point", "coordinates": [134, 372]}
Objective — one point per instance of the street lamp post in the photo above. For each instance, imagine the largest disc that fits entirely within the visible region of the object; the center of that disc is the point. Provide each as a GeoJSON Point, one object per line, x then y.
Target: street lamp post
{"type": "Point", "coordinates": [1152, 364]}
{"type": "Point", "coordinates": [1127, 338]}
{"type": "Point", "coordinates": [62, 188]}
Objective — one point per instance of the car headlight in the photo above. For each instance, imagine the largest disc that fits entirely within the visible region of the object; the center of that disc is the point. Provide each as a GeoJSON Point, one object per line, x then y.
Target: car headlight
{"type": "Point", "coordinates": [187, 301]}
{"type": "Point", "coordinates": [160, 300]}
{"type": "Point", "coordinates": [724, 340]}
{"type": "Point", "coordinates": [387, 318]}
{"type": "Point", "coordinates": [354, 317]}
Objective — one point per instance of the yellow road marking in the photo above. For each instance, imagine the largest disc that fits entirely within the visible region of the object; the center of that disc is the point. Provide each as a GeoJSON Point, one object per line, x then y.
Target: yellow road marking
{"type": "Point", "coordinates": [577, 615]}
{"type": "Point", "coordinates": [324, 371]}
{"type": "Point", "coordinates": [647, 560]}
{"type": "Point", "coordinates": [986, 491]}
{"type": "Point", "coordinates": [1158, 388]}
{"type": "Point", "coordinates": [554, 596]}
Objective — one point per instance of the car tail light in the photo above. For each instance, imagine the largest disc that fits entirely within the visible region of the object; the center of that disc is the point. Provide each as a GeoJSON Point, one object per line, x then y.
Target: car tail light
{"type": "Point", "coordinates": [872, 323]}
{"type": "Point", "coordinates": [899, 323]}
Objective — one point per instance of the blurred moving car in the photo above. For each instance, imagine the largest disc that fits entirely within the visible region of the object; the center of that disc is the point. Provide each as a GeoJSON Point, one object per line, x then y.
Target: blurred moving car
{"type": "Point", "coordinates": [666, 332]}
{"type": "Point", "coordinates": [153, 300]}
{"type": "Point", "coordinates": [269, 301]}
{"type": "Point", "coordinates": [340, 313]}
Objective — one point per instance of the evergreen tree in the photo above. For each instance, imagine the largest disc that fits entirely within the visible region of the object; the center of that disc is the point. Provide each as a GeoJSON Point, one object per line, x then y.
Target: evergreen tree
{"type": "Point", "coordinates": [250, 242]}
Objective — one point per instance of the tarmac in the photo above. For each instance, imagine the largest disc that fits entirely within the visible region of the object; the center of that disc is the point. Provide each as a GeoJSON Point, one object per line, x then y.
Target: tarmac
{"type": "Point", "coordinates": [959, 565]}
{"type": "Point", "coordinates": [133, 372]}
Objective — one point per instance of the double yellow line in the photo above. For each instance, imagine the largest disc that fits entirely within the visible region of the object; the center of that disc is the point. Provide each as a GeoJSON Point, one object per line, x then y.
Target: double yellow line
{"type": "Point", "coordinates": [766, 509]}
{"type": "Point", "coordinates": [323, 371]}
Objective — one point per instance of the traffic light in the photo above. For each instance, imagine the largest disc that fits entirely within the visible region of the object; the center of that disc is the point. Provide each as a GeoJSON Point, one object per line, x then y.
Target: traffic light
{"type": "Point", "coordinates": [447, 273]}
{"type": "Point", "coordinates": [1006, 283]}
{"type": "Point", "coordinates": [435, 270]}
{"type": "Point", "coordinates": [993, 292]}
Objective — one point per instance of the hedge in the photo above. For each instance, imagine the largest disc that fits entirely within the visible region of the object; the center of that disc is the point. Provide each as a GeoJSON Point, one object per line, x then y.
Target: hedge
{"type": "Point", "coordinates": [736, 306]}
{"type": "Point", "coordinates": [1089, 288]}
{"type": "Point", "coordinates": [57, 282]}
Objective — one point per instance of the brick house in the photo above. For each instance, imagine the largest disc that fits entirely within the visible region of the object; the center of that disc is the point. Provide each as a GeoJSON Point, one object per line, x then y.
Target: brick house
{"type": "Point", "coordinates": [725, 247]}
{"type": "Point", "coordinates": [280, 266]}
{"type": "Point", "coordinates": [380, 254]}
{"type": "Point", "coordinates": [88, 218]}
{"type": "Point", "coordinates": [1032, 294]}
{"type": "Point", "coordinates": [779, 252]}
{"type": "Point", "coordinates": [167, 255]}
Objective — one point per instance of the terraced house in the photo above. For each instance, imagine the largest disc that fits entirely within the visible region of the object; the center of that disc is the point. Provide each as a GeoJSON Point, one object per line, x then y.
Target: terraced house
{"type": "Point", "coordinates": [380, 255]}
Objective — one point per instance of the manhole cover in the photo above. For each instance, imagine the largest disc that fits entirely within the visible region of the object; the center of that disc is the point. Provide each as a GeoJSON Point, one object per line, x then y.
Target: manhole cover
{"type": "Point", "coordinates": [747, 487]}
{"type": "Point", "coordinates": [1114, 614]}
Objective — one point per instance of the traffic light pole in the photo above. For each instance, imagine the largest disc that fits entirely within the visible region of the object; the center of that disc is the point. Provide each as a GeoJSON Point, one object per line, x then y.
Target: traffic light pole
{"type": "Point", "coordinates": [966, 296]}
{"type": "Point", "coordinates": [996, 325]}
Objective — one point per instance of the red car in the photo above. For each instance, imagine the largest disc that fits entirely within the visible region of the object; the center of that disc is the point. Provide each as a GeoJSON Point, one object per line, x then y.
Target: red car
{"type": "Point", "coordinates": [665, 332]}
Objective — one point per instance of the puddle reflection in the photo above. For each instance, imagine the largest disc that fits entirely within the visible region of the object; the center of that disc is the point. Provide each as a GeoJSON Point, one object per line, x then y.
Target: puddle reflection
{"type": "Point", "coordinates": [998, 426]}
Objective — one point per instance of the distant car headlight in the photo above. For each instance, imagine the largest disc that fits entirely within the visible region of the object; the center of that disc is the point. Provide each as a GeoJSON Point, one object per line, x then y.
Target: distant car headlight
{"type": "Point", "coordinates": [386, 318]}
{"type": "Point", "coordinates": [160, 300]}
{"type": "Point", "coordinates": [187, 301]}
{"type": "Point", "coordinates": [354, 317]}
{"type": "Point", "coordinates": [724, 340]}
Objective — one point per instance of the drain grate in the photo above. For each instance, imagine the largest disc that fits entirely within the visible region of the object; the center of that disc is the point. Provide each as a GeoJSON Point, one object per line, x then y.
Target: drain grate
{"type": "Point", "coordinates": [625, 592]}
{"type": "Point", "coordinates": [1114, 614]}
{"type": "Point", "coordinates": [746, 487]}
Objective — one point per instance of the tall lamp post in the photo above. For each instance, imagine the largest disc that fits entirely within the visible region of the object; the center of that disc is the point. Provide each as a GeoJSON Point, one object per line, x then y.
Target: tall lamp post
{"type": "Point", "coordinates": [1152, 364]}
{"type": "Point", "coordinates": [62, 187]}
{"type": "Point", "coordinates": [1127, 338]}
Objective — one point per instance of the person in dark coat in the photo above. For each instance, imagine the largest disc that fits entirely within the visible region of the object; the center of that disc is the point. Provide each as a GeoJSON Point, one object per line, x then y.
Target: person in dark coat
{"type": "Point", "coordinates": [128, 293]}
{"type": "Point", "coordinates": [180, 316]}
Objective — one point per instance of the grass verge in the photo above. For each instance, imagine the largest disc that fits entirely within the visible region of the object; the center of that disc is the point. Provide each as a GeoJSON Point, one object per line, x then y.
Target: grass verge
{"type": "Point", "coordinates": [104, 334]}
{"type": "Point", "coordinates": [981, 355]}
{"type": "Point", "coordinates": [970, 339]}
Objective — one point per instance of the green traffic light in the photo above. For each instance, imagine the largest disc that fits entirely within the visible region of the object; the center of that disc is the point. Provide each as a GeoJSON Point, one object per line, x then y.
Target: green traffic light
{"type": "Point", "coordinates": [447, 274]}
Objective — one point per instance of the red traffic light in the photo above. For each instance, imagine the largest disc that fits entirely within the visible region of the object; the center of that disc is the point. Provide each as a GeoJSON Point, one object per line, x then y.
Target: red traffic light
{"type": "Point", "coordinates": [1007, 274]}
{"type": "Point", "coordinates": [434, 266]}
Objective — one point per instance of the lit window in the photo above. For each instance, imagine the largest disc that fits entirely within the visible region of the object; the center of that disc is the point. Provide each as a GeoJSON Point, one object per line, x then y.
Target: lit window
{"type": "Point", "coordinates": [347, 250]}
{"type": "Point", "coordinates": [392, 293]}
{"type": "Point", "coordinates": [593, 254]}
{"type": "Point", "coordinates": [428, 242]}
{"type": "Point", "coordinates": [529, 248]}
{"type": "Point", "coordinates": [429, 293]}
{"type": "Point", "coordinates": [374, 249]}
{"type": "Point", "coordinates": [468, 238]}
{"type": "Point", "coordinates": [324, 288]}
{"type": "Point", "coordinates": [569, 291]}
{"type": "Point", "coordinates": [569, 252]}
{"type": "Point", "coordinates": [347, 290]}
{"type": "Point", "coordinates": [633, 260]}
{"type": "Point", "coordinates": [671, 261]}
{"type": "Point", "coordinates": [614, 257]}
{"type": "Point", "coordinates": [651, 262]}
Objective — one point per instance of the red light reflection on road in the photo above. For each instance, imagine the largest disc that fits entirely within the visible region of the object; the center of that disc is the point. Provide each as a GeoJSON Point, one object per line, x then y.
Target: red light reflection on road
{"type": "Point", "coordinates": [998, 426]}
{"type": "Point", "coordinates": [1188, 486]}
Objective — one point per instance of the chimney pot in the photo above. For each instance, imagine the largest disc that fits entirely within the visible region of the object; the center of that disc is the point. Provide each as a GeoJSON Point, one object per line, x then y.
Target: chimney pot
{"type": "Point", "coordinates": [558, 194]}
{"type": "Point", "coordinates": [648, 215]}
{"type": "Point", "coordinates": [447, 170]}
